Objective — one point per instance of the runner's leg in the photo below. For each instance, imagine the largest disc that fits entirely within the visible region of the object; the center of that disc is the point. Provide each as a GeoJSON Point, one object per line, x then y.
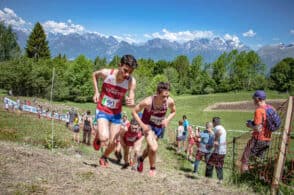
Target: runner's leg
{"type": "Point", "coordinates": [103, 131]}
{"type": "Point", "coordinates": [113, 135]}
{"type": "Point", "coordinates": [152, 144]}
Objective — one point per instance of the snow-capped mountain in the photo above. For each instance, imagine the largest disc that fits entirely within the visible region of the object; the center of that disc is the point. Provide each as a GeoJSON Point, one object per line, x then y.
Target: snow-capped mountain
{"type": "Point", "coordinates": [93, 44]}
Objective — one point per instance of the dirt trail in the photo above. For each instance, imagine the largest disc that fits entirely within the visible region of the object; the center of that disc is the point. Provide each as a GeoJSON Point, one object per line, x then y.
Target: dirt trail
{"type": "Point", "coordinates": [29, 170]}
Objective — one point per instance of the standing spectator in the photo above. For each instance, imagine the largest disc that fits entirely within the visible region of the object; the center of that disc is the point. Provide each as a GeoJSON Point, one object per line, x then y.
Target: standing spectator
{"type": "Point", "coordinates": [261, 135]}
{"type": "Point", "coordinates": [191, 142]}
{"type": "Point", "coordinates": [220, 149]}
{"type": "Point", "coordinates": [205, 139]}
{"type": "Point", "coordinates": [76, 129]}
{"type": "Point", "coordinates": [18, 103]}
{"type": "Point", "coordinates": [6, 105]}
{"type": "Point", "coordinates": [87, 127]}
{"type": "Point", "coordinates": [185, 134]}
{"type": "Point", "coordinates": [71, 117]}
{"type": "Point", "coordinates": [180, 136]}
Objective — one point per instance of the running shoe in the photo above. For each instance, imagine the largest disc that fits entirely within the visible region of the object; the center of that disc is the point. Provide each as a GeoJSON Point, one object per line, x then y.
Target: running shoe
{"type": "Point", "coordinates": [103, 162]}
{"type": "Point", "coordinates": [96, 143]}
{"type": "Point", "coordinates": [140, 165]}
{"type": "Point", "coordinates": [152, 172]}
{"type": "Point", "coordinates": [125, 166]}
{"type": "Point", "coordinates": [118, 156]}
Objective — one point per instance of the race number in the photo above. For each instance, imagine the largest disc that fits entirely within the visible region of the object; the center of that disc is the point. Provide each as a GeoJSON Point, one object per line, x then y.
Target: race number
{"type": "Point", "coordinates": [109, 102]}
{"type": "Point", "coordinates": [156, 120]}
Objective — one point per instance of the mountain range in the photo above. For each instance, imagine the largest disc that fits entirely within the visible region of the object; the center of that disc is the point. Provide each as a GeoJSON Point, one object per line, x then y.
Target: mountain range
{"type": "Point", "coordinates": [92, 45]}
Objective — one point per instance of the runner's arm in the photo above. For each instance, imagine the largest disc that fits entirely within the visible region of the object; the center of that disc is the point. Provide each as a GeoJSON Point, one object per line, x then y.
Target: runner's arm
{"type": "Point", "coordinates": [139, 107]}
{"type": "Point", "coordinates": [102, 73]}
{"type": "Point", "coordinates": [172, 113]}
{"type": "Point", "coordinates": [130, 100]}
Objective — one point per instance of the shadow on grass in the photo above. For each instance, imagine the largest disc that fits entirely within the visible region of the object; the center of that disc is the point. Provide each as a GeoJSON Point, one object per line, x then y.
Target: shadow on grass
{"type": "Point", "coordinates": [114, 161]}
{"type": "Point", "coordinates": [184, 169]}
{"type": "Point", "coordinates": [90, 164]}
{"type": "Point", "coordinates": [191, 176]}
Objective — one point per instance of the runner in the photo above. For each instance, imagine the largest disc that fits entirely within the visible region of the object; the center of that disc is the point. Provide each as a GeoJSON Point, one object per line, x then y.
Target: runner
{"type": "Point", "coordinates": [125, 124]}
{"type": "Point", "coordinates": [116, 83]}
{"type": "Point", "coordinates": [153, 122]}
{"type": "Point", "coordinates": [131, 140]}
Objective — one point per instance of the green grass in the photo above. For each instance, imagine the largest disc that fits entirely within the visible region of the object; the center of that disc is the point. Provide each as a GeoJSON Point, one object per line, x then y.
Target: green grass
{"type": "Point", "coordinates": [29, 129]}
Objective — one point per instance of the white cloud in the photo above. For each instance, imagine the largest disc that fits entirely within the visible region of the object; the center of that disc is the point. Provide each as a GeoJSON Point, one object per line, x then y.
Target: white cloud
{"type": "Point", "coordinates": [182, 36]}
{"type": "Point", "coordinates": [249, 33]}
{"type": "Point", "coordinates": [9, 17]}
{"type": "Point", "coordinates": [292, 31]}
{"type": "Point", "coordinates": [233, 39]}
{"type": "Point", "coordinates": [63, 28]}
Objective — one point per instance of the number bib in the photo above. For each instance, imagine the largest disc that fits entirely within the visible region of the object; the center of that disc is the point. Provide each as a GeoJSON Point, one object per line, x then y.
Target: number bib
{"type": "Point", "coordinates": [156, 120]}
{"type": "Point", "coordinates": [109, 102]}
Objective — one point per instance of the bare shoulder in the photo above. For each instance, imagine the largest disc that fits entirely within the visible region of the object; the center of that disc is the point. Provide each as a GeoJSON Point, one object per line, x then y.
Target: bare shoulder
{"type": "Point", "coordinates": [132, 81]}
{"type": "Point", "coordinates": [146, 102]}
{"type": "Point", "coordinates": [170, 101]}
{"type": "Point", "coordinates": [102, 72]}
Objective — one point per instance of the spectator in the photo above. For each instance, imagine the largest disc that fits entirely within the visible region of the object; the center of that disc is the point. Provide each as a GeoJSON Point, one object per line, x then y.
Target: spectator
{"type": "Point", "coordinates": [261, 135]}
{"type": "Point", "coordinates": [180, 136]}
{"type": "Point", "coordinates": [205, 139]}
{"type": "Point", "coordinates": [220, 149]}
{"type": "Point", "coordinates": [191, 142]}
{"type": "Point", "coordinates": [76, 129]}
{"type": "Point", "coordinates": [87, 128]}
{"type": "Point", "coordinates": [185, 134]}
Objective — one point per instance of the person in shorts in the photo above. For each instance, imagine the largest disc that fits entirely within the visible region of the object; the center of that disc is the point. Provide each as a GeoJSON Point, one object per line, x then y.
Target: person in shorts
{"type": "Point", "coordinates": [154, 122]}
{"type": "Point", "coordinates": [116, 84]}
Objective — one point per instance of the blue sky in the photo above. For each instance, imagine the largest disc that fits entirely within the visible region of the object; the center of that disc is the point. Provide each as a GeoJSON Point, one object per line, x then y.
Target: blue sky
{"type": "Point", "coordinates": [252, 22]}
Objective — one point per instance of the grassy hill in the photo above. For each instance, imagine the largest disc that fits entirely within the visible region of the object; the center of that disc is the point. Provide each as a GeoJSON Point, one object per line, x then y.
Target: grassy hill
{"type": "Point", "coordinates": [25, 136]}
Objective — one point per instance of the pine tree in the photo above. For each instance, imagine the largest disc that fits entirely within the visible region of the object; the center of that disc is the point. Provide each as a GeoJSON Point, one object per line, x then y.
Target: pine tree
{"type": "Point", "coordinates": [37, 46]}
{"type": "Point", "coordinates": [8, 45]}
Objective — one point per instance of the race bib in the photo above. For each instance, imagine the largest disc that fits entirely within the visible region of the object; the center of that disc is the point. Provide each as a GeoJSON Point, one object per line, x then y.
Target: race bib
{"type": "Point", "coordinates": [109, 102]}
{"type": "Point", "coordinates": [156, 120]}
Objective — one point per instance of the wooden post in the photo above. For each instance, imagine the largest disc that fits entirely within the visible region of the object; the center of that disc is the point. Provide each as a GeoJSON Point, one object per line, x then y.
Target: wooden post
{"type": "Point", "coordinates": [281, 158]}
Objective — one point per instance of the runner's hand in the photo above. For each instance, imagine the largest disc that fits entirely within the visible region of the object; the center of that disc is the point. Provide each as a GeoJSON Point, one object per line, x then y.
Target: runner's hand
{"type": "Point", "coordinates": [146, 129]}
{"type": "Point", "coordinates": [96, 97]}
{"type": "Point", "coordinates": [130, 101]}
{"type": "Point", "coordinates": [164, 123]}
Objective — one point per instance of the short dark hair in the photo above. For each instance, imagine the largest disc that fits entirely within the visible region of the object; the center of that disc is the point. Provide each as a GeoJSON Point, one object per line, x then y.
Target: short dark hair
{"type": "Point", "coordinates": [184, 116]}
{"type": "Point", "coordinates": [134, 122]}
{"type": "Point", "coordinates": [88, 112]}
{"type": "Point", "coordinates": [129, 60]}
{"type": "Point", "coordinates": [216, 120]}
{"type": "Point", "coordinates": [162, 86]}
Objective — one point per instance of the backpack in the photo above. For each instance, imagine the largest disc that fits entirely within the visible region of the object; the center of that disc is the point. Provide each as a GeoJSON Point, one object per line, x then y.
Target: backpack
{"type": "Point", "coordinates": [273, 120]}
{"type": "Point", "coordinates": [87, 125]}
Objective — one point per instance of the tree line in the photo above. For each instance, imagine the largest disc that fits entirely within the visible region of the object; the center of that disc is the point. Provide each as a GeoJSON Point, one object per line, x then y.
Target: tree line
{"type": "Point", "coordinates": [30, 73]}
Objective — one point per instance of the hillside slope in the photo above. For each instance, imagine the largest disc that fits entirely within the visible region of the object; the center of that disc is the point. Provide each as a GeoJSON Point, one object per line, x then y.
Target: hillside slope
{"type": "Point", "coordinates": [29, 170]}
